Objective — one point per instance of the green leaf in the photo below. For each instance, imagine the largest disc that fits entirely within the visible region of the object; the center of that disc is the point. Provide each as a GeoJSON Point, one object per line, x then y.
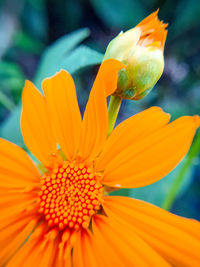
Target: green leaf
{"type": "Point", "coordinates": [6, 101]}
{"type": "Point", "coordinates": [119, 13]}
{"type": "Point", "coordinates": [11, 75]}
{"type": "Point", "coordinates": [9, 68]}
{"type": "Point", "coordinates": [187, 19]}
{"type": "Point", "coordinates": [34, 19]}
{"type": "Point", "coordinates": [82, 57]}
{"type": "Point", "coordinates": [54, 55]}
{"type": "Point", "coordinates": [10, 129]}
{"type": "Point", "coordinates": [27, 43]}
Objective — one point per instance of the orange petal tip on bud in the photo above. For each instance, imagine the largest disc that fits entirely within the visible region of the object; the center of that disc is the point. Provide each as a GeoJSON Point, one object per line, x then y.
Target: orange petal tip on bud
{"type": "Point", "coordinates": [153, 31]}
{"type": "Point", "coordinates": [141, 49]}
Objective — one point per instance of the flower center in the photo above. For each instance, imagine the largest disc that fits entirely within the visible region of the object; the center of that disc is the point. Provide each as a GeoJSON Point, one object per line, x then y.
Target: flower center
{"type": "Point", "coordinates": [70, 195]}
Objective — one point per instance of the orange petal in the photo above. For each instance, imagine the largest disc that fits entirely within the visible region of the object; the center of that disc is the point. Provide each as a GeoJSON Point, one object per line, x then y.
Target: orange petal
{"type": "Point", "coordinates": [175, 238]}
{"type": "Point", "coordinates": [15, 204]}
{"type": "Point", "coordinates": [151, 157]}
{"type": "Point", "coordinates": [19, 180]}
{"type": "Point", "coordinates": [13, 237]}
{"type": "Point", "coordinates": [131, 131]}
{"type": "Point", "coordinates": [153, 31]}
{"type": "Point", "coordinates": [63, 255]}
{"type": "Point", "coordinates": [16, 168]}
{"type": "Point", "coordinates": [95, 120]}
{"type": "Point", "coordinates": [39, 250]}
{"type": "Point", "coordinates": [104, 247]}
{"type": "Point", "coordinates": [85, 252]}
{"type": "Point", "coordinates": [120, 246]}
{"type": "Point", "coordinates": [35, 125]}
{"type": "Point", "coordinates": [60, 94]}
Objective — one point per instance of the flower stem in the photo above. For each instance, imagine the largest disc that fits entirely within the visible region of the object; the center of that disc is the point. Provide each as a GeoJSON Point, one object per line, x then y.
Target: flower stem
{"type": "Point", "coordinates": [169, 200]}
{"type": "Point", "coordinates": [113, 110]}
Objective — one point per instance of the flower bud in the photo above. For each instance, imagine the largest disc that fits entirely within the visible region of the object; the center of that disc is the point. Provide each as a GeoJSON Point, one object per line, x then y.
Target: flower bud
{"type": "Point", "coordinates": [121, 46]}
{"type": "Point", "coordinates": [141, 50]}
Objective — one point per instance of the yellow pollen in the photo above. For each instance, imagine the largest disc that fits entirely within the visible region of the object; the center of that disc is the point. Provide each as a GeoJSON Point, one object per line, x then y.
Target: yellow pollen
{"type": "Point", "coordinates": [70, 195]}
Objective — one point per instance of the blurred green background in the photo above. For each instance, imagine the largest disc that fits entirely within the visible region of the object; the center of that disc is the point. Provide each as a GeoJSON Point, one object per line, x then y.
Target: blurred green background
{"type": "Point", "coordinates": [39, 37]}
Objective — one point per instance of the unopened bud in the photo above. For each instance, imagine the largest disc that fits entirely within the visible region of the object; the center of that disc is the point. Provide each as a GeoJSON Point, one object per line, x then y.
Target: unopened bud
{"type": "Point", "coordinates": [141, 50]}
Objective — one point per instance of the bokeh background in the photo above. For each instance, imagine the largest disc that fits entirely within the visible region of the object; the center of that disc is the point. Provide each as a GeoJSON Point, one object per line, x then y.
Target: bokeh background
{"type": "Point", "coordinates": [38, 37]}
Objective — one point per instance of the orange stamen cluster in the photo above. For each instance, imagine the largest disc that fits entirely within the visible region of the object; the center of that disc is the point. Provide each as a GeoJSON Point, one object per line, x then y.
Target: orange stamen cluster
{"type": "Point", "coordinates": [70, 195]}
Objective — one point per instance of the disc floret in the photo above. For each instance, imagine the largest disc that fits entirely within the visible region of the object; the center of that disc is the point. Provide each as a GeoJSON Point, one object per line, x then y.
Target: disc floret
{"type": "Point", "coordinates": [70, 195]}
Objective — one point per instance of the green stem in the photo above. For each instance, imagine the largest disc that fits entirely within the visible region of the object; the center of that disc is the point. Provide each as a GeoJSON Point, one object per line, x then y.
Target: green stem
{"type": "Point", "coordinates": [113, 110]}
{"type": "Point", "coordinates": [169, 200]}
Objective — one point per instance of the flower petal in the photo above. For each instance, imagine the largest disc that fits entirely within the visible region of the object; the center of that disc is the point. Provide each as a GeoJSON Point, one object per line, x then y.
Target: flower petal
{"type": "Point", "coordinates": [150, 158]}
{"type": "Point", "coordinates": [85, 252]}
{"type": "Point", "coordinates": [35, 125]}
{"type": "Point", "coordinates": [131, 131]}
{"type": "Point", "coordinates": [60, 94]}
{"type": "Point", "coordinates": [16, 168]}
{"type": "Point", "coordinates": [175, 238]}
{"type": "Point", "coordinates": [63, 255]}
{"type": "Point", "coordinates": [19, 215]}
{"type": "Point", "coordinates": [12, 238]}
{"type": "Point", "coordinates": [103, 245]}
{"type": "Point", "coordinates": [121, 245]}
{"type": "Point", "coordinates": [39, 250]}
{"type": "Point", "coordinates": [95, 120]}
{"type": "Point", "coordinates": [14, 204]}
{"type": "Point", "coordinates": [19, 180]}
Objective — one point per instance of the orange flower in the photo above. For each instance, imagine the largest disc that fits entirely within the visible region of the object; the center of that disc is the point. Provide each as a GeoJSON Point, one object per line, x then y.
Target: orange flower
{"type": "Point", "coordinates": [64, 217]}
